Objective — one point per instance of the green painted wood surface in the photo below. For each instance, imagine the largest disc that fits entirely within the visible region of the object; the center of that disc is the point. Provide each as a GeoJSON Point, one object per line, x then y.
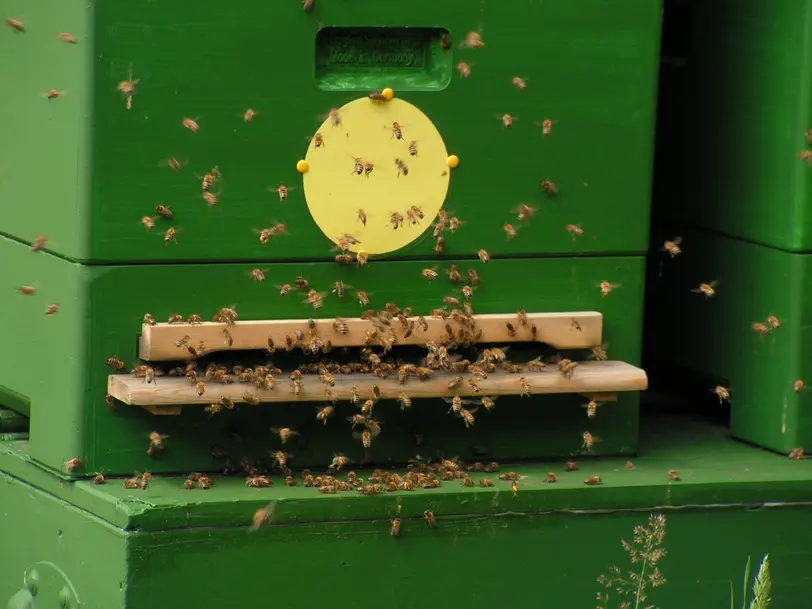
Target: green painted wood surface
{"type": "Point", "coordinates": [38, 527]}
{"type": "Point", "coordinates": [86, 169]}
{"type": "Point", "coordinates": [734, 500]}
{"type": "Point", "coordinates": [714, 336]}
{"type": "Point", "coordinates": [101, 312]}
{"type": "Point", "coordinates": [736, 99]}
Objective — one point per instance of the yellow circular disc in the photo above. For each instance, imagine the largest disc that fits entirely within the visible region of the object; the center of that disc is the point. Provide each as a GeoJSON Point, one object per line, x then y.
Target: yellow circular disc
{"type": "Point", "coordinates": [335, 193]}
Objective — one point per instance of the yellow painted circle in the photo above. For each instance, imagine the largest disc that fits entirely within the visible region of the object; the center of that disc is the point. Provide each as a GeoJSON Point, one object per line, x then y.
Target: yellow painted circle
{"type": "Point", "coordinates": [302, 166]}
{"type": "Point", "coordinates": [334, 193]}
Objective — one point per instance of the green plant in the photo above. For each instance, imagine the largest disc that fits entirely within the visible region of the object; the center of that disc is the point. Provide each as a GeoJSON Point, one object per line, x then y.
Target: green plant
{"type": "Point", "coordinates": [645, 550]}
{"type": "Point", "coordinates": [762, 585]}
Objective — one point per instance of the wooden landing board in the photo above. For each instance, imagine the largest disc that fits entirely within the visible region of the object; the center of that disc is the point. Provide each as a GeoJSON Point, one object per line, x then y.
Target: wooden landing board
{"type": "Point", "coordinates": [159, 342]}
{"type": "Point", "coordinates": [598, 379]}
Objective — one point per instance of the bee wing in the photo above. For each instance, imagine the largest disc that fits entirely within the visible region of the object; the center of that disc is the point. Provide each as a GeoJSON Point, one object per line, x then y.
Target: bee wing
{"type": "Point", "coordinates": [271, 189]}
{"type": "Point", "coordinates": [713, 283]}
{"type": "Point", "coordinates": [676, 240]}
{"type": "Point", "coordinates": [473, 410]}
{"type": "Point", "coordinates": [357, 435]}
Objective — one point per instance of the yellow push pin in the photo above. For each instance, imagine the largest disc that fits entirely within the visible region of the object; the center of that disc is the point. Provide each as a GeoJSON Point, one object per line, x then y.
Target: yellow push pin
{"type": "Point", "coordinates": [302, 166]}
{"type": "Point", "coordinates": [388, 94]}
{"type": "Point", "coordinates": [453, 161]}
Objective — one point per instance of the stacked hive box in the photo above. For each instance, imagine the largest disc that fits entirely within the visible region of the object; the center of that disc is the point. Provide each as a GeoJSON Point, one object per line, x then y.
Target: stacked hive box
{"type": "Point", "coordinates": [741, 201]}
{"type": "Point", "coordinates": [86, 166]}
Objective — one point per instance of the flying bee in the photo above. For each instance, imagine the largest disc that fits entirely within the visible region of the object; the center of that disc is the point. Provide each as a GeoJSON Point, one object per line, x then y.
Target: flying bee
{"type": "Point", "coordinates": [283, 191]}
{"type": "Point", "coordinates": [546, 126]}
{"type": "Point", "coordinates": [397, 130]}
{"type": "Point", "coordinates": [591, 409]}
{"type": "Point", "coordinates": [402, 168]}
{"type": "Point", "coordinates": [439, 245]}
{"type": "Point", "coordinates": [526, 392]}
{"type": "Point", "coordinates": [518, 82]}
{"type": "Point", "coordinates": [315, 299]}
{"type": "Point", "coordinates": [285, 289]}
{"type": "Point", "coordinates": [301, 283]}
{"type": "Point", "coordinates": [467, 416]}
{"type": "Point", "coordinates": [806, 155]}
{"type": "Point", "coordinates": [338, 288]}
{"type": "Point", "coordinates": [190, 124]}
{"type": "Point", "coordinates": [324, 413]}
{"type": "Point", "coordinates": [473, 276]}
{"type": "Point", "coordinates": [51, 310]}
{"type": "Point", "coordinates": [362, 216]}
{"type": "Point", "coordinates": [606, 287]}
{"type": "Point", "coordinates": [404, 400]}
{"type": "Point", "coordinates": [708, 289]}
{"type": "Point", "coordinates": [394, 531]}
{"type": "Point", "coordinates": [484, 256]}
{"type": "Point", "coordinates": [672, 247]}
{"type": "Point", "coordinates": [248, 115]}
{"type": "Point", "coordinates": [473, 40]}
{"type": "Point", "coordinates": [798, 386]}
{"type": "Point", "coordinates": [524, 212]}
{"type": "Point", "coordinates": [173, 163]}
{"type": "Point", "coordinates": [430, 519]}
{"type": "Point", "coordinates": [284, 433]}
{"type": "Point", "coordinates": [258, 274]}
{"type": "Point", "coordinates": [464, 69]}
{"type": "Point", "coordinates": [429, 274]}
{"type": "Point", "coordinates": [487, 402]}
{"type": "Point", "coordinates": [507, 120]}
{"type": "Point", "coordinates": [774, 322]}
{"type": "Point", "coordinates": [363, 298]}
{"type": "Point", "coordinates": [127, 88]}
{"type": "Point", "coordinates": [39, 243]}
{"type": "Point", "coordinates": [510, 231]}
{"type": "Point", "coordinates": [549, 188]}
{"type": "Point", "coordinates": [599, 353]}
{"type": "Point", "coordinates": [26, 290]}
{"type": "Point", "coordinates": [115, 362]}
{"type": "Point", "coordinates": [15, 24]}
{"type": "Point", "coordinates": [723, 393]}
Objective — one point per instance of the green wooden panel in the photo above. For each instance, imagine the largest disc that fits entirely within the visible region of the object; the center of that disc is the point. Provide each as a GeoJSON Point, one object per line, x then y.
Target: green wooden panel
{"type": "Point", "coordinates": [736, 100]}
{"type": "Point", "coordinates": [46, 534]}
{"type": "Point", "coordinates": [714, 336]}
{"type": "Point", "coordinates": [102, 308]}
{"type": "Point", "coordinates": [592, 67]}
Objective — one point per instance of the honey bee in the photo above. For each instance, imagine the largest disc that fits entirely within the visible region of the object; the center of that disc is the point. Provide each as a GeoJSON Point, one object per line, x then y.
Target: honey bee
{"type": "Point", "coordinates": [397, 130]}
{"type": "Point", "coordinates": [51, 310]}
{"type": "Point", "coordinates": [132, 482]}
{"type": "Point", "coordinates": [251, 400]}
{"type": "Point", "coordinates": [473, 40]}
{"type": "Point", "coordinates": [324, 413]}
{"type": "Point", "coordinates": [706, 288]}
{"type": "Point", "coordinates": [98, 479]}
{"type": "Point", "coordinates": [570, 466]}
{"type": "Point", "coordinates": [510, 231]}
{"type": "Point", "coordinates": [396, 220]}
{"type": "Point", "coordinates": [473, 276]}
{"type": "Point", "coordinates": [806, 155]}
{"type": "Point", "coordinates": [599, 353]}
{"type": "Point", "coordinates": [39, 243]}
{"type": "Point", "coordinates": [156, 443]}
{"type": "Point", "coordinates": [285, 434]}
{"type": "Point", "coordinates": [484, 257]}
{"type": "Point", "coordinates": [467, 416]}
{"type": "Point", "coordinates": [510, 329]}
{"type": "Point", "coordinates": [363, 298]}
{"type": "Point", "coordinates": [507, 120]}
{"type": "Point", "coordinates": [282, 191]}
{"type": "Point", "coordinates": [26, 290]}
{"type": "Point", "coordinates": [429, 274]}
{"type": "Point", "coordinates": [377, 96]}
{"type": "Point", "coordinates": [315, 299]}
{"type": "Point", "coordinates": [672, 247]}
{"type": "Point", "coordinates": [796, 454]}
{"type": "Point", "coordinates": [774, 322]}
{"type": "Point", "coordinates": [549, 188]}
{"type": "Point", "coordinates": [575, 230]}
{"type": "Point", "coordinates": [173, 163]}
{"type": "Point", "coordinates": [430, 519]}
{"type": "Point", "coordinates": [358, 167]}
{"type": "Point", "coordinates": [723, 393]}
{"type": "Point", "coordinates": [338, 461]}
{"type": "Point", "coordinates": [606, 287]}
{"type": "Point", "coordinates": [808, 134]}
{"type": "Point", "coordinates": [402, 168]}
{"type": "Point", "coordinates": [673, 475]}
{"type": "Point", "coordinates": [148, 223]}
{"type": "Point", "coordinates": [524, 212]}
{"type": "Point", "coordinates": [318, 140]}
{"type": "Point", "coordinates": [73, 464]}
{"type": "Point", "coordinates": [591, 409]}
{"type": "Point", "coordinates": [464, 69]}
{"type": "Point", "coordinates": [249, 115]}
{"type": "Point", "coordinates": [115, 362]}
{"type": "Point", "coordinates": [526, 390]}
{"type": "Point", "coordinates": [761, 329]}
{"type": "Point", "coordinates": [593, 481]}
{"type": "Point", "coordinates": [362, 217]}
{"type": "Point", "coordinates": [170, 235]}
{"type": "Point", "coordinates": [567, 367]}
{"type": "Point", "coordinates": [16, 25]}
{"type": "Point", "coordinates": [191, 124]}
{"type": "Point", "coordinates": [262, 516]}
{"type": "Point", "coordinates": [546, 126]}
{"type": "Point", "coordinates": [518, 82]}
{"type": "Point", "coordinates": [629, 466]}
{"type": "Point", "coordinates": [213, 408]}
{"type": "Point", "coordinates": [797, 386]}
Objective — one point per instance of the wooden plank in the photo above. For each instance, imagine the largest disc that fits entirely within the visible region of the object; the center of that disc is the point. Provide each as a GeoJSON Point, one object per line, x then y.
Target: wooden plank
{"type": "Point", "coordinates": [160, 342]}
{"type": "Point", "coordinates": [589, 378]}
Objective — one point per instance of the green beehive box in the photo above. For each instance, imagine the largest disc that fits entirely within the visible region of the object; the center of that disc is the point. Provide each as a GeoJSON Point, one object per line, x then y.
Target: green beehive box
{"type": "Point", "coordinates": [87, 169]}
{"type": "Point", "coordinates": [100, 315]}
{"type": "Point", "coordinates": [736, 77]}
{"type": "Point", "coordinates": [715, 336]}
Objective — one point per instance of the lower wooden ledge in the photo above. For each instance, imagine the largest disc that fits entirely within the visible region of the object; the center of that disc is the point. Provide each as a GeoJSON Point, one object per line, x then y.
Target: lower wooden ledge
{"type": "Point", "coordinates": [600, 380]}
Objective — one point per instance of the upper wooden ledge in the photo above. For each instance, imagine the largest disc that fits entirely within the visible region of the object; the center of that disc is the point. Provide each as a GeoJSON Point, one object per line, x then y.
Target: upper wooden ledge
{"type": "Point", "coordinates": [160, 342]}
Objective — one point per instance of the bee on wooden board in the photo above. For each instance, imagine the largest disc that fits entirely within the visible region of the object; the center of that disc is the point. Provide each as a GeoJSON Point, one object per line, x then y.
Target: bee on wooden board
{"type": "Point", "coordinates": [283, 191]}
{"type": "Point", "coordinates": [706, 289]}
